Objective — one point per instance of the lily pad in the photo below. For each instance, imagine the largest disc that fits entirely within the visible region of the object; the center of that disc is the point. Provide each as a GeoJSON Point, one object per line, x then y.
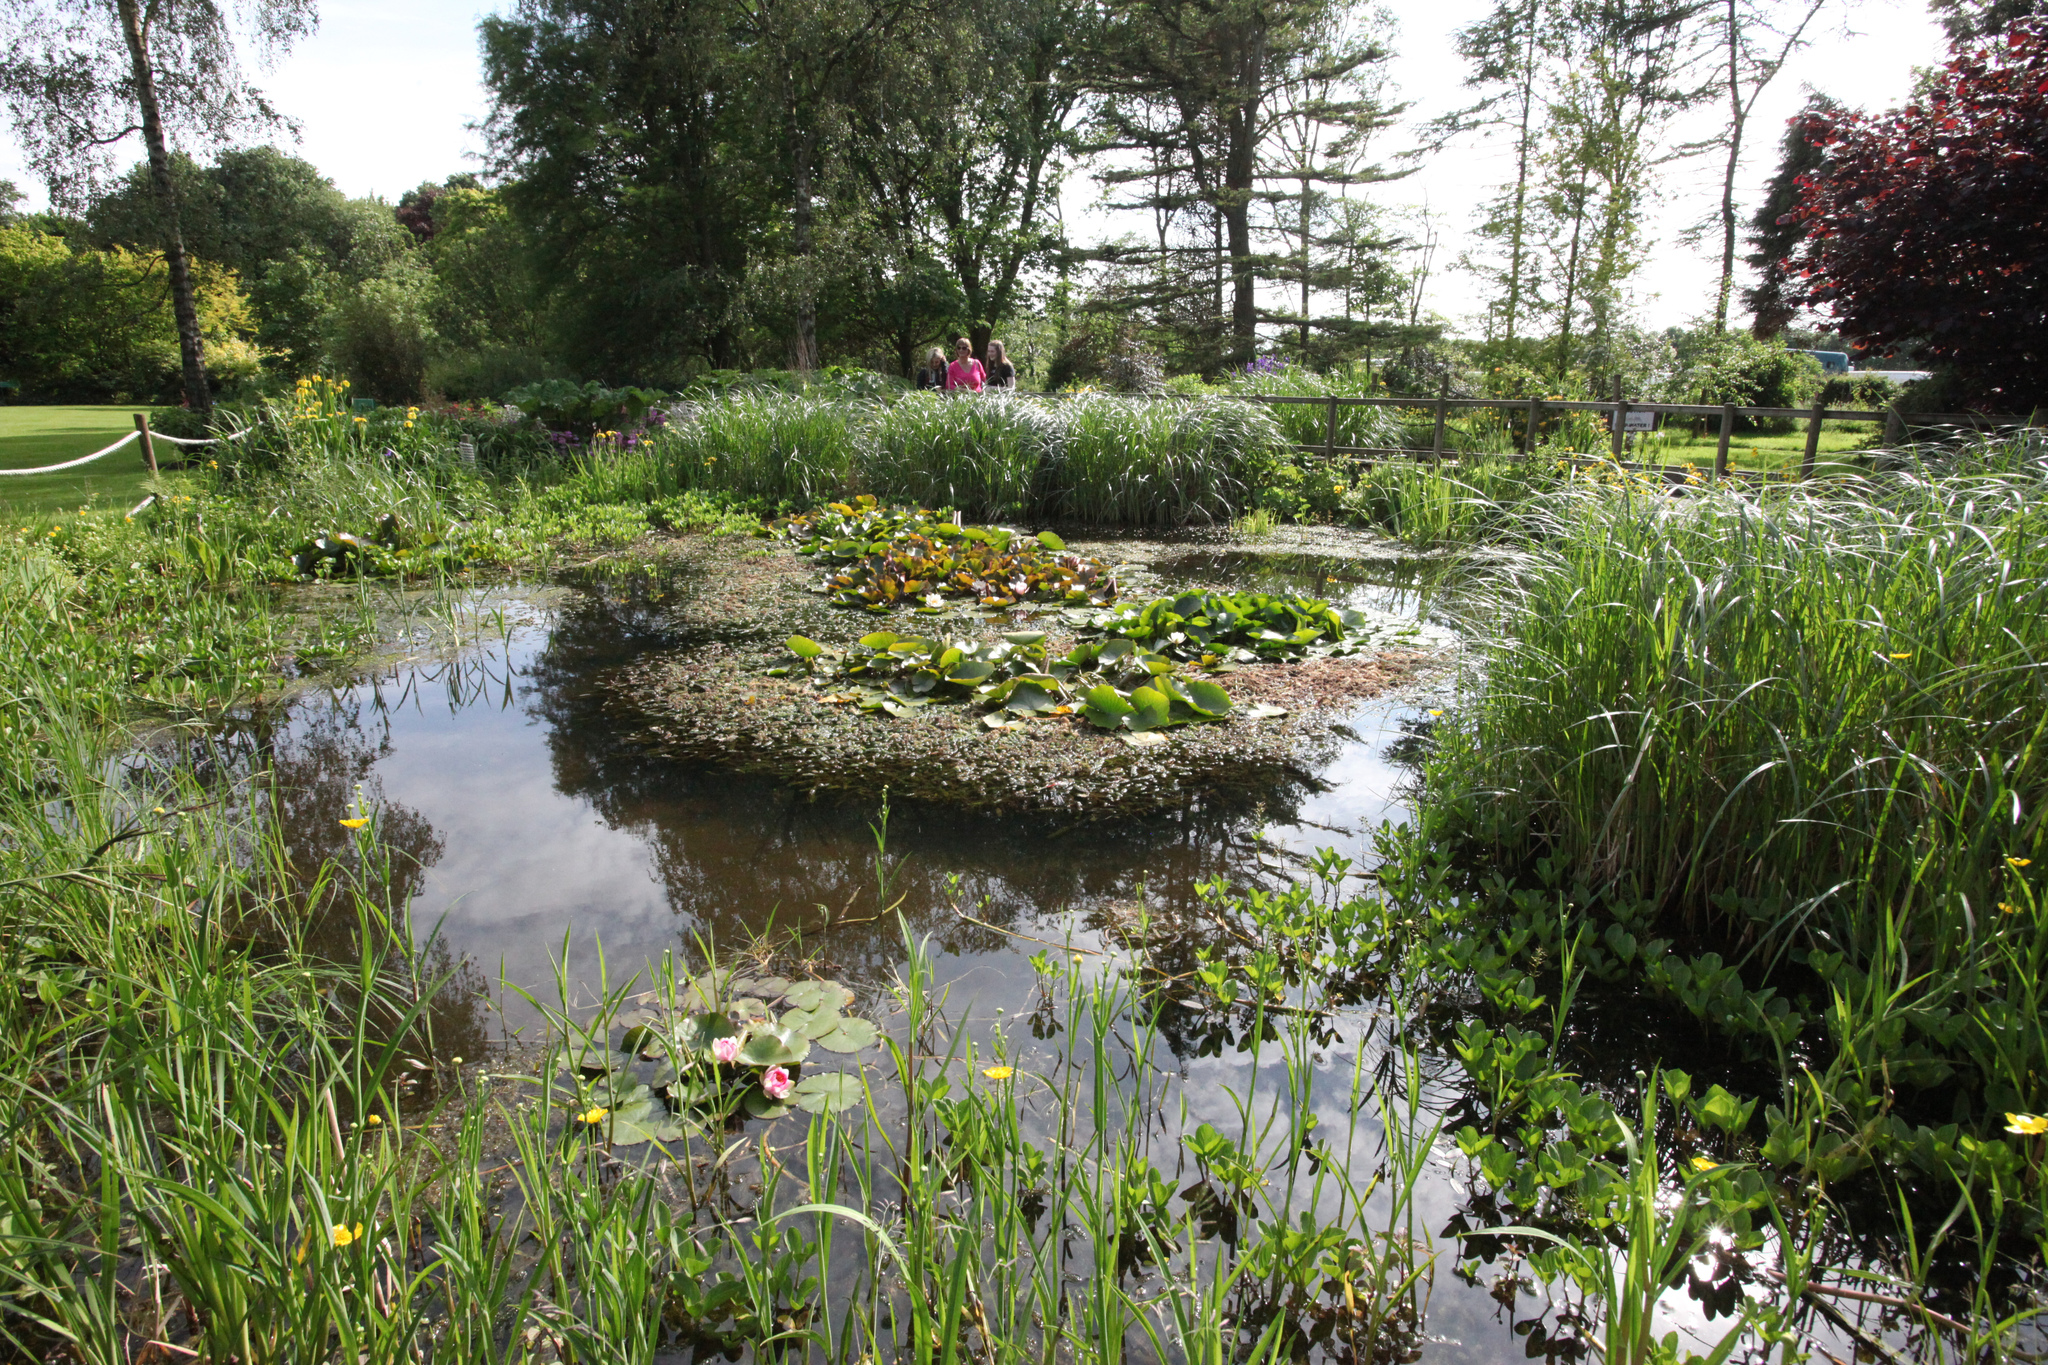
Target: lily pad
{"type": "Point", "coordinates": [827, 1092]}
{"type": "Point", "coordinates": [811, 995]}
{"type": "Point", "coordinates": [1150, 709]}
{"type": "Point", "coordinates": [761, 1107]}
{"type": "Point", "coordinates": [804, 648]}
{"type": "Point", "coordinates": [775, 1045]}
{"type": "Point", "coordinates": [851, 1036]}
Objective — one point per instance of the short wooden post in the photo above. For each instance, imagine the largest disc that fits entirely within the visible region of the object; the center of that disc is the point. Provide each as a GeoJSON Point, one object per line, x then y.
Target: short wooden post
{"type": "Point", "coordinates": [1330, 432]}
{"type": "Point", "coordinates": [1894, 426]}
{"type": "Point", "coordinates": [1618, 437]}
{"type": "Point", "coordinates": [148, 446]}
{"type": "Point", "coordinates": [1535, 424]}
{"type": "Point", "coordinates": [1812, 439]}
{"type": "Point", "coordinates": [1727, 430]}
{"type": "Point", "coordinates": [1436, 446]}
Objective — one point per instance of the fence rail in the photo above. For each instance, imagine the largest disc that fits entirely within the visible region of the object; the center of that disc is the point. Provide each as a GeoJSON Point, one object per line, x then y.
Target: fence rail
{"type": "Point", "coordinates": [1533, 410]}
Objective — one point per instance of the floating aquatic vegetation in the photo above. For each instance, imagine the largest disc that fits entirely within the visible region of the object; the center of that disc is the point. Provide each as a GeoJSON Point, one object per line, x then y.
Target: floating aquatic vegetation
{"type": "Point", "coordinates": [731, 1045]}
{"type": "Point", "coordinates": [1221, 630]}
{"type": "Point", "coordinates": [1113, 684]}
{"type": "Point", "coordinates": [902, 556]}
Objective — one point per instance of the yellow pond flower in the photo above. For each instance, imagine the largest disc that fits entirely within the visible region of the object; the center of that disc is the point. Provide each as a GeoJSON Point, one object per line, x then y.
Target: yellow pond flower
{"type": "Point", "coordinates": [375, 1120]}
{"type": "Point", "coordinates": [998, 1073]}
{"type": "Point", "coordinates": [2017, 863]}
{"type": "Point", "coordinates": [1704, 1163]}
{"type": "Point", "coordinates": [2007, 908]}
{"type": "Point", "coordinates": [2026, 1125]}
{"type": "Point", "coordinates": [593, 1115]}
{"type": "Point", "coordinates": [343, 1234]}
{"type": "Point", "coordinates": [356, 823]}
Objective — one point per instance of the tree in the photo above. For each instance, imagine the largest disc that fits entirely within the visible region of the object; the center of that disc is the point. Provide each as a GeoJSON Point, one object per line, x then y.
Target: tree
{"type": "Point", "coordinates": [81, 324]}
{"type": "Point", "coordinates": [1190, 86]}
{"type": "Point", "coordinates": [1756, 45]}
{"type": "Point", "coordinates": [1970, 20]}
{"type": "Point", "coordinates": [1774, 230]}
{"type": "Point", "coordinates": [82, 76]}
{"type": "Point", "coordinates": [1506, 53]}
{"type": "Point", "coordinates": [1929, 224]}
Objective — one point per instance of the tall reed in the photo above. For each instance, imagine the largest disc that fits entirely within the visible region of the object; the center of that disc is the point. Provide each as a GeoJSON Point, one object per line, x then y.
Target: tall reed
{"type": "Point", "coordinates": [985, 455]}
{"type": "Point", "coordinates": [762, 444]}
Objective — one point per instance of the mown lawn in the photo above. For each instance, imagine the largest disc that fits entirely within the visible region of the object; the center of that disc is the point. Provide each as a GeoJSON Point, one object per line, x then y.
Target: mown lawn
{"type": "Point", "coordinates": [32, 436]}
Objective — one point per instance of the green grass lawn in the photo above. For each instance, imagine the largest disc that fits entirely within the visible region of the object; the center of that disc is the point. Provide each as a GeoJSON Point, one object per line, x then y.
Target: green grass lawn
{"type": "Point", "coordinates": [31, 436]}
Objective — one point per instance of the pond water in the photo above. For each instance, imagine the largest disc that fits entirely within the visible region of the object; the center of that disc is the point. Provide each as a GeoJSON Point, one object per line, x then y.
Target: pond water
{"type": "Point", "coordinates": [536, 835]}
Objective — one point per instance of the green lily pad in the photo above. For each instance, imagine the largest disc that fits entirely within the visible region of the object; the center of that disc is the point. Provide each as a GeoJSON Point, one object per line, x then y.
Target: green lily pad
{"type": "Point", "coordinates": [812, 995]}
{"type": "Point", "coordinates": [761, 1107]}
{"type": "Point", "coordinates": [1051, 541]}
{"type": "Point", "coordinates": [1150, 709]}
{"type": "Point", "coordinates": [1206, 697]}
{"type": "Point", "coordinates": [775, 1045]}
{"type": "Point", "coordinates": [851, 1036]}
{"type": "Point", "coordinates": [1104, 707]}
{"type": "Point", "coordinates": [827, 1092]}
{"type": "Point", "coordinates": [804, 648]}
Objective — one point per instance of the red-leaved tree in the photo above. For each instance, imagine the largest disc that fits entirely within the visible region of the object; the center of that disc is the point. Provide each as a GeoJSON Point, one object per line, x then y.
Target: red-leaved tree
{"type": "Point", "coordinates": [1929, 224]}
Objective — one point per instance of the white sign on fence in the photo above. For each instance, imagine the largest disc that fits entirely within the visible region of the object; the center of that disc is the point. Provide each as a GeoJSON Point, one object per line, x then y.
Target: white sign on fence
{"type": "Point", "coordinates": [1638, 421]}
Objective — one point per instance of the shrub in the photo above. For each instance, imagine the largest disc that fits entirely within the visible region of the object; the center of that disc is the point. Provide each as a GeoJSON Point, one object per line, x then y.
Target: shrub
{"type": "Point", "coordinates": [379, 337]}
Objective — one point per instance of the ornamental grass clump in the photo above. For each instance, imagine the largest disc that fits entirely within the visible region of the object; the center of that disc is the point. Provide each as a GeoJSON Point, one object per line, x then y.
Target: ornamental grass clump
{"type": "Point", "coordinates": [762, 444]}
{"type": "Point", "coordinates": [1308, 424]}
{"type": "Point", "coordinates": [1785, 717]}
{"type": "Point", "coordinates": [985, 455]}
{"type": "Point", "coordinates": [1160, 462]}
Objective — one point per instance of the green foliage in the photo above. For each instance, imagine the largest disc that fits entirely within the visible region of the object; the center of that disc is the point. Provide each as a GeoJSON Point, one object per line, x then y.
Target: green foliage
{"type": "Point", "coordinates": [1234, 628]}
{"type": "Point", "coordinates": [1126, 462]}
{"type": "Point", "coordinates": [560, 405]}
{"type": "Point", "coordinates": [988, 456]}
{"type": "Point", "coordinates": [86, 325]}
{"type": "Point", "coordinates": [1734, 367]}
{"type": "Point", "coordinates": [765, 445]}
{"type": "Point", "coordinates": [379, 336]}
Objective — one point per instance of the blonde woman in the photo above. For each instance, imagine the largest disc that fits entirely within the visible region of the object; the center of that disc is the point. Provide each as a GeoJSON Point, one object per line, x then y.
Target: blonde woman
{"type": "Point", "coordinates": [932, 374]}
{"type": "Point", "coordinates": [965, 374]}
{"type": "Point", "coordinates": [1001, 373]}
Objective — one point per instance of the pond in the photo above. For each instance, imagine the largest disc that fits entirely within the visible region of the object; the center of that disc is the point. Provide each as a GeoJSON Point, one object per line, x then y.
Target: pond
{"type": "Point", "coordinates": [548, 845]}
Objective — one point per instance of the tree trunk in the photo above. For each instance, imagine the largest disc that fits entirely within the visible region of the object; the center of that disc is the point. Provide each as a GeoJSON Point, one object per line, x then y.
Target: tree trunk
{"type": "Point", "coordinates": [191, 349]}
{"type": "Point", "coordinates": [1519, 232]}
{"type": "Point", "coordinates": [803, 345]}
{"type": "Point", "coordinates": [1736, 118]}
{"type": "Point", "coordinates": [1239, 173]}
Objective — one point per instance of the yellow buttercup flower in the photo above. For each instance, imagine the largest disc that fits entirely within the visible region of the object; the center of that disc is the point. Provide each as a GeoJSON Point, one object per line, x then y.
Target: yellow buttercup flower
{"type": "Point", "coordinates": [356, 823]}
{"type": "Point", "coordinates": [998, 1073]}
{"type": "Point", "coordinates": [375, 1120]}
{"type": "Point", "coordinates": [2026, 1125]}
{"type": "Point", "coordinates": [2007, 908]}
{"type": "Point", "coordinates": [1902, 656]}
{"type": "Point", "coordinates": [593, 1115]}
{"type": "Point", "coordinates": [2020, 862]}
{"type": "Point", "coordinates": [1704, 1163]}
{"type": "Point", "coordinates": [343, 1234]}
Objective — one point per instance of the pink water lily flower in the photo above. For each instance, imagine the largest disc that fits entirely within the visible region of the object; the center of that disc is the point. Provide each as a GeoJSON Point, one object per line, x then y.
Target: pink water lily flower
{"type": "Point", "coordinates": [775, 1081]}
{"type": "Point", "coordinates": [726, 1050]}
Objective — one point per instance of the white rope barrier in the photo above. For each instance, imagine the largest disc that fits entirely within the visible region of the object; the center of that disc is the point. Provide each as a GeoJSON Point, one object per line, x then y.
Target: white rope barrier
{"type": "Point", "coordinates": [154, 436]}
{"type": "Point", "coordinates": [73, 464]}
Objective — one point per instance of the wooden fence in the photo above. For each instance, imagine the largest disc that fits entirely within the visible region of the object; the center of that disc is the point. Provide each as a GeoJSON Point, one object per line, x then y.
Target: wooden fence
{"type": "Point", "coordinates": [1617, 411]}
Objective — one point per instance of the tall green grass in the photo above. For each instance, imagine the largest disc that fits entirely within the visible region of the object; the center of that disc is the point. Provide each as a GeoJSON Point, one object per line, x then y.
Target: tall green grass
{"type": "Point", "coordinates": [1308, 424]}
{"type": "Point", "coordinates": [1162, 462]}
{"type": "Point", "coordinates": [987, 456]}
{"type": "Point", "coordinates": [762, 444]}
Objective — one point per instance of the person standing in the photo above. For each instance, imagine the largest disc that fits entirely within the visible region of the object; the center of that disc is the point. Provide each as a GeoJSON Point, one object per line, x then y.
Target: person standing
{"type": "Point", "coordinates": [932, 374]}
{"type": "Point", "coordinates": [1001, 373]}
{"type": "Point", "coordinates": [965, 374]}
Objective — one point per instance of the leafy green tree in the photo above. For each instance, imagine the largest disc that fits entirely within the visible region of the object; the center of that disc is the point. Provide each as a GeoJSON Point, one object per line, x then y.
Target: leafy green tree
{"type": "Point", "coordinates": [1775, 230]}
{"type": "Point", "coordinates": [81, 76]}
{"type": "Point", "coordinates": [634, 174]}
{"type": "Point", "coordinates": [79, 324]}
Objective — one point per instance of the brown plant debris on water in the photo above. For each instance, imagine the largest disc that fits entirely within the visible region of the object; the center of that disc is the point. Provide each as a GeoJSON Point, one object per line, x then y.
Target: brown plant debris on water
{"type": "Point", "coordinates": [715, 702]}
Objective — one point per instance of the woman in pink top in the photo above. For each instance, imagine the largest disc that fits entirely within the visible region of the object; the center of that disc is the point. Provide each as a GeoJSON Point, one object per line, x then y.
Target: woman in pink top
{"type": "Point", "coordinates": [965, 372]}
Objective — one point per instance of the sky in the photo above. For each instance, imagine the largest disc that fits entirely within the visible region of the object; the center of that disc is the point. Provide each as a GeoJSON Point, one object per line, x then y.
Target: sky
{"type": "Point", "coordinates": [386, 94]}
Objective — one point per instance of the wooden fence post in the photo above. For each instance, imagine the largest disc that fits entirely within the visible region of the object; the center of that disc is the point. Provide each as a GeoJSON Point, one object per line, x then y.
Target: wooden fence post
{"type": "Point", "coordinates": [148, 446]}
{"type": "Point", "coordinates": [1442, 407]}
{"type": "Point", "coordinates": [1534, 424]}
{"type": "Point", "coordinates": [1894, 426]}
{"type": "Point", "coordinates": [1330, 432]}
{"type": "Point", "coordinates": [1618, 437]}
{"type": "Point", "coordinates": [1812, 439]}
{"type": "Point", "coordinates": [1727, 430]}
